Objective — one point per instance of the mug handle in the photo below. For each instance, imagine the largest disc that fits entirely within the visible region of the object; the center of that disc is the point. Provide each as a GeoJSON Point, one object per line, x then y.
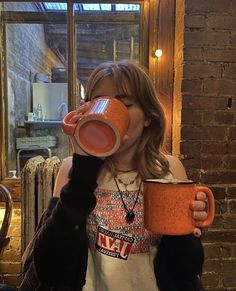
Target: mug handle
{"type": "Point", "coordinates": [68, 128]}
{"type": "Point", "coordinates": [211, 212]}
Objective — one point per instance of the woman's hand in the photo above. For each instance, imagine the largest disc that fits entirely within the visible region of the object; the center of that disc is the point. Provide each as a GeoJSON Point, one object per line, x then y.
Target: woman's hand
{"type": "Point", "coordinates": [198, 207]}
{"type": "Point", "coordinates": [81, 110]}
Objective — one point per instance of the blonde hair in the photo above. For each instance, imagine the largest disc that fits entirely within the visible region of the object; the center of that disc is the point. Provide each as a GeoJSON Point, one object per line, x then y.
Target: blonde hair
{"type": "Point", "coordinates": [129, 77]}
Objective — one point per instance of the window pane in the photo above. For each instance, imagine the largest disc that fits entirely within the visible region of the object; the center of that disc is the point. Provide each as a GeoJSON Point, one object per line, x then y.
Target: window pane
{"type": "Point", "coordinates": [36, 65]}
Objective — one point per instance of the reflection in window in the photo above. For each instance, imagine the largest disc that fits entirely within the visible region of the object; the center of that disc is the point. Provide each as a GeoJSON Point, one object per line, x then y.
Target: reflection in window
{"type": "Point", "coordinates": [93, 7]}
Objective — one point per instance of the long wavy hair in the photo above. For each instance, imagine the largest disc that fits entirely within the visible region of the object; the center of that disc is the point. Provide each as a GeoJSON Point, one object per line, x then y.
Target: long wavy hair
{"type": "Point", "coordinates": [129, 77]}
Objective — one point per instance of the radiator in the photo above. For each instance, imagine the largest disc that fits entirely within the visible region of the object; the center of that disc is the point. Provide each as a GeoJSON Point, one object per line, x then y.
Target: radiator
{"type": "Point", "coordinates": [37, 183]}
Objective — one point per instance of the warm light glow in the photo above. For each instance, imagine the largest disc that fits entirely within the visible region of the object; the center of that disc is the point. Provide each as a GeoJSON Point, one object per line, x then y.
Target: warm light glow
{"type": "Point", "coordinates": [158, 53]}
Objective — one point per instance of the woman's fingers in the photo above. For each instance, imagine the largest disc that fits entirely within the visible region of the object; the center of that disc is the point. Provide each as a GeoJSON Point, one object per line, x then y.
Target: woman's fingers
{"type": "Point", "coordinates": [199, 215]}
{"type": "Point", "coordinates": [197, 232]}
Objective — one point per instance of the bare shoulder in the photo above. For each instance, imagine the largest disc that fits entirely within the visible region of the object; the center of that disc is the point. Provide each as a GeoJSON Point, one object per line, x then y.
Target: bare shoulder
{"type": "Point", "coordinates": [62, 176]}
{"type": "Point", "coordinates": [176, 167]}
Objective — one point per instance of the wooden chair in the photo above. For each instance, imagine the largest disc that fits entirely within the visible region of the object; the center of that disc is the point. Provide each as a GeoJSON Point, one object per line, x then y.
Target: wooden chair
{"type": "Point", "coordinates": [5, 196]}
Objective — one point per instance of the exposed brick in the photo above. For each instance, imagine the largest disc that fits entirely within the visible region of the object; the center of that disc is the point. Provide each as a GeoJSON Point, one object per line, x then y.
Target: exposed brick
{"type": "Point", "coordinates": [189, 132]}
{"type": "Point", "coordinates": [232, 207]}
{"type": "Point", "coordinates": [229, 71]}
{"type": "Point", "coordinates": [219, 192]}
{"type": "Point", "coordinates": [211, 162]}
{"type": "Point", "coordinates": [212, 266]}
{"type": "Point", "coordinates": [193, 54]}
{"type": "Point", "coordinates": [210, 279]}
{"type": "Point", "coordinates": [229, 222]}
{"type": "Point", "coordinates": [192, 86]}
{"type": "Point", "coordinates": [195, 21]}
{"type": "Point", "coordinates": [224, 117]}
{"type": "Point", "coordinates": [214, 133]}
{"type": "Point", "coordinates": [192, 163]}
{"type": "Point", "coordinates": [189, 116]}
{"type": "Point", "coordinates": [190, 148]}
{"type": "Point", "coordinates": [232, 149]}
{"type": "Point", "coordinates": [232, 192]}
{"type": "Point", "coordinates": [221, 21]}
{"type": "Point", "coordinates": [194, 175]}
{"type": "Point", "coordinates": [228, 250]}
{"type": "Point", "coordinates": [220, 206]}
{"type": "Point", "coordinates": [217, 222]}
{"type": "Point", "coordinates": [201, 70]}
{"type": "Point", "coordinates": [207, 38]}
{"type": "Point", "coordinates": [214, 148]}
{"type": "Point", "coordinates": [212, 251]}
{"type": "Point", "coordinates": [232, 133]}
{"type": "Point", "coordinates": [218, 177]}
{"type": "Point", "coordinates": [220, 54]}
{"type": "Point", "coordinates": [229, 265]}
{"type": "Point", "coordinates": [208, 6]}
{"type": "Point", "coordinates": [10, 268]}
{"type": "Point", "coordinates": [219, 86]}
{"type": "Point", "coordinates": [229, 279]}
{"type": "Point", "coordinates": [208, 103]}
{"type": "Point", "coordinates": [221, 236]}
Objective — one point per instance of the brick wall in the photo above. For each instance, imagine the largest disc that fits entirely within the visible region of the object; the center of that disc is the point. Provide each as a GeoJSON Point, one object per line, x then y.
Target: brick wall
{"type": "Point", "coordinates": [10, 257]}
{"type": "Point", "coordinates": [206, 91]}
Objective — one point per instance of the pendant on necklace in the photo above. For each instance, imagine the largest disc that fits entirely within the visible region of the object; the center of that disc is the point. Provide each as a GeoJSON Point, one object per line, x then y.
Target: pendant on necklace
{"type": "Point", "coordinates": [130, 217]}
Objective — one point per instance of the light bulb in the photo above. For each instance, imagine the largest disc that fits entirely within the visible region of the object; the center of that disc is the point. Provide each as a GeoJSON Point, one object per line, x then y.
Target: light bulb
{"type": "Point", "coordinates": [158, 53]}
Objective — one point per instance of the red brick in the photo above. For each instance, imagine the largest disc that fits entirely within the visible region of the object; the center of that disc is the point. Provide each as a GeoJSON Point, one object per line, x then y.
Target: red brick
{"type": "Point", "coordinates": [211, 279]}
{"type": "Point", "coordinates": [214, 147]}
{"type": "Point", "coordinates": [217, 223]}
{"type": "Point", "coordinates": [232, 192]}
{"type": "Point", "coordinates": [206, 38]}
{"type": "Point", "coordinates": [190, 148]}
{"type": "Point", "coordinates": [229, 278]}
{"type": "Point", "coordinates": [212, 251]}
{"type": "Point", "coordinates": [219, 192]}
{"type": "Point", "coordinates": [227, 236]}
{"type": "Point", "coordinates": [212, 266]}
{"type": "Point", "coordinates": [208, 103]}
{"type": "Point", "coordinates": [192, 163]}
{"type": "Point", "coordinates": [189, 132]}
{"type": "Point", "coordinates": [232, 207]}
{"type": "Point", "coordinates": [224, 117]}
{"type": "Point", "coordinates": [229, 222]}
{"type": "Point", "coordinates": [201, 70]}
{"type": "Point", "coordinates": [232, 149]}
{"type": "Point", "coordinates": [228, 250]}
{"type": "Point", "coordinates": [193, 54]}
{"type": "Point", "coordinates": [195, 21]}
{"type": "Point", "coordinates": [220, 54]}
{"type": "Point", "coordinates": [220, 206]}
{"type": "Point", "coordinates": [232, 133]}
{"type": "Point", "coordinates": [192, 86]}
{"type": "Point", "coordinates": [194, 175]}
{"type": "Point", "coordinates": [229, 71]}
{"type": "Point", "coordinates": [219, 86]}
{"type": "Point", "coordinates": [202, 6]}
{"type": "Point", "coordinates": [221, 21]}
{"type": "Point", "coordinates": [189, 116]}
{"type": "Point", "coordinates": [213, 162]}
{"type": "Point", "coordinates": [218, 177]}
{"type": "Point", "coordinates": [214, 133]}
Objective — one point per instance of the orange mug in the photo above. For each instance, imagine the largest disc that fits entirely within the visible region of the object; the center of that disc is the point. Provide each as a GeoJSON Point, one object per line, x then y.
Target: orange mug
{"type": "Point", "coordinates": [167, 206]}
{"type": "Point", "coordinates": [100, 130]}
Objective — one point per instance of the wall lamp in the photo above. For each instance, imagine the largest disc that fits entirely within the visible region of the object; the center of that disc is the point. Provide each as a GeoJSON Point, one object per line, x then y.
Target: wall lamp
{"type": "Point", "coordinates": [158, 53]}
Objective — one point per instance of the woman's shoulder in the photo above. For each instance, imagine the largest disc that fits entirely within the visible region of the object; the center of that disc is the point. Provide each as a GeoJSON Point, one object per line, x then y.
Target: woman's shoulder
{"type": "Point", "coordinates": [176, 167]}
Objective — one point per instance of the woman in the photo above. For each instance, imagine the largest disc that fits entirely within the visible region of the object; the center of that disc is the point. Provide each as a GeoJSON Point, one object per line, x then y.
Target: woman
{"type": "Point", "coordinates": [92, 237]}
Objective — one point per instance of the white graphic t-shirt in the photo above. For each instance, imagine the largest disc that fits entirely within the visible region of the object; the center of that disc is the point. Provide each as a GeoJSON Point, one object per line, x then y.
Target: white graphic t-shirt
{"type": "Point", "coordinates": [120, 254]}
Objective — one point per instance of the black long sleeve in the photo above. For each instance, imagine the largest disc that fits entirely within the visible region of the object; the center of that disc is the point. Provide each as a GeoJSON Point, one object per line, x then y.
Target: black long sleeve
{"type": "Point", "coordinates": [178, 263]}
{"type": "Point", "coordinates": [61, 247]}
